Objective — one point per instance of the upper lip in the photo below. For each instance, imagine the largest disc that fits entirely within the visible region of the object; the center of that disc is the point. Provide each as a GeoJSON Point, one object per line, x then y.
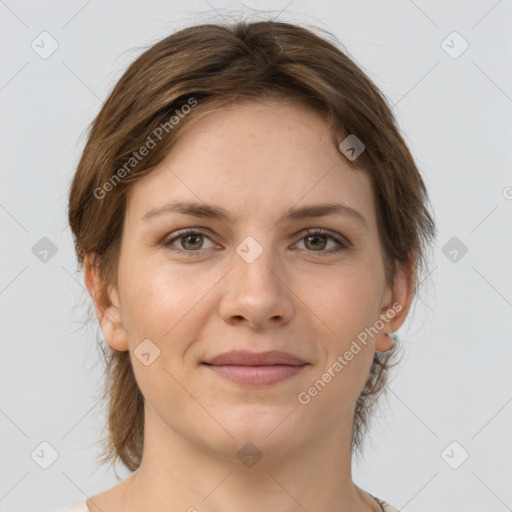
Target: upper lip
{"type": "Point", "coordinates": [244, 358]}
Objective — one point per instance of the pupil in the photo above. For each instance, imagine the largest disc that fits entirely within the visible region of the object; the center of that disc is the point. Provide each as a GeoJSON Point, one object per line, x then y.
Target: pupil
{"type": "Point", "coordinates": [187, 238]}
{"type": "Point", "coordinates": [316, 237]}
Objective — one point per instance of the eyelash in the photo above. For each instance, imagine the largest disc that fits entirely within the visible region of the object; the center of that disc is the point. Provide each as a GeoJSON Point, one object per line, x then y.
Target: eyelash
{"type": "Point", "coordinates": [343, 244]}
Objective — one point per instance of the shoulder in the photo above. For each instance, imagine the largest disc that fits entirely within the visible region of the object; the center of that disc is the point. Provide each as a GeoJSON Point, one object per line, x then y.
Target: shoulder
{"type": "Point", "coordinates": [389, 508]}
{"type": "Point", "coordinates": [77, 506]}
{"type": "Point", "coordinates": [386, 506]}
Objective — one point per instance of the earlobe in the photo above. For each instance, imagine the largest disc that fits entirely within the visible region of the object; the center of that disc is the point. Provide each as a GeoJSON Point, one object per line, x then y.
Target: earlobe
{"type": "Point", "coordinates": [384, 342]}
{"type": "Point", "coordinates": [106, 305]}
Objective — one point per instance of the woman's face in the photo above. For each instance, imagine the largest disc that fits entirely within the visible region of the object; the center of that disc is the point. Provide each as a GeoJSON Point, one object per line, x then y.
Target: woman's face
{"type": "Point", "coordinates": [251, 280]}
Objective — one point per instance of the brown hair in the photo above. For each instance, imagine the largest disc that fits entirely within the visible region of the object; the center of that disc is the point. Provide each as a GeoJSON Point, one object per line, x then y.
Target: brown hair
{"type": "Point", "coordinates": [217, 64]}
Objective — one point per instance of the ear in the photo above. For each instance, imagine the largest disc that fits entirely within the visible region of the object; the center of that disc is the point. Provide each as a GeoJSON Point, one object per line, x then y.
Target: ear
{"type": "Point", "coordinates": [107, 308]}
{"type": "Point", "coordinates": [396, 304]}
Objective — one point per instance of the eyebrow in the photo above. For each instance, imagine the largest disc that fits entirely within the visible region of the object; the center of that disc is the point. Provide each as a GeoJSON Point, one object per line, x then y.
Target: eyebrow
{"type": "Point", "coordinates": [217, 212]}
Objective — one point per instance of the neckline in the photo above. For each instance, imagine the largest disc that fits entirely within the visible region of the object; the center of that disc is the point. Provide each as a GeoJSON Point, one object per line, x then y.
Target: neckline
{"type": "Point", "coordinates": [379, 501]}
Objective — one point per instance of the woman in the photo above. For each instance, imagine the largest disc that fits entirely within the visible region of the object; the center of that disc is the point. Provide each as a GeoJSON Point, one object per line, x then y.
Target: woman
{"type": "Point", "coordinates": [251, 226]}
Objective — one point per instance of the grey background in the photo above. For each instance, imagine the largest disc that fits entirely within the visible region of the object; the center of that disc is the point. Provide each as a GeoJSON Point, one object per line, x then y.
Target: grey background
{"type": "Point", "coordinates": [454, 382]}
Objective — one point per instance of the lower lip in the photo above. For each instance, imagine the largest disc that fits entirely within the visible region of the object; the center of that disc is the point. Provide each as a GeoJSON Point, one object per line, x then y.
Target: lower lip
{"type": "Point", "coordinates": [257, 375]}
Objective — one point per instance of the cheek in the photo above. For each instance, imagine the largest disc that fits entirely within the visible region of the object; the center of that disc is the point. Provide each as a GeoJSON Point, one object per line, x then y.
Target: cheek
{"type": "Point", "coordinates": [160, 305]}
{"type": "Point", "coordinates": [346, 301]}
{"type": "Point", "coordinates": [168, 307]}
{"type": "Point", "coordinates": [155, 297]}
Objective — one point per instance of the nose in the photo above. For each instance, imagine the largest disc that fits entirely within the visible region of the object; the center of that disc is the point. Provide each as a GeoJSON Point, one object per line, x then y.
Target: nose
{"type": "Point", "coordinates": [256, 293]}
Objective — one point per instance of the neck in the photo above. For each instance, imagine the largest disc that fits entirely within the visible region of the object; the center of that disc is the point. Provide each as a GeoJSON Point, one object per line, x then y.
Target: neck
{"type": "Point", "coordinates": [176, 474]}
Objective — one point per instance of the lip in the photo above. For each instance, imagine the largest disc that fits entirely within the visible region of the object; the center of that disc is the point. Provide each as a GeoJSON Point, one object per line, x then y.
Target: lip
{"type": "Point", "coordinates": [244, 358]}
{"type": "Point", "coordinates": [257, 369]}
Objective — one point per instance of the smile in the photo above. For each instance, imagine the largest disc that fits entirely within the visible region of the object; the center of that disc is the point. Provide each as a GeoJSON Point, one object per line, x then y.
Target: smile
{"type": "Point", "coordinates": [257, 375]}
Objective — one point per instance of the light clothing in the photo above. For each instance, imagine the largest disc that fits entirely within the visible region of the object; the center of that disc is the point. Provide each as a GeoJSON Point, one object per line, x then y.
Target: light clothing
{"type": "Point", "coordinates": [386, 506]}
{"type": "Point", "coordinates": [81, 506]}
{"type": "Point", "coordinates": [77, 506]}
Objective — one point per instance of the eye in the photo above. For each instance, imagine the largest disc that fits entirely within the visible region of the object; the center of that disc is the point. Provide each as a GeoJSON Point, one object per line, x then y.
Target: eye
{"type": "Point", "coordinates": [189, 240]}
{"type": "Point", "coordinates": [316, 240]}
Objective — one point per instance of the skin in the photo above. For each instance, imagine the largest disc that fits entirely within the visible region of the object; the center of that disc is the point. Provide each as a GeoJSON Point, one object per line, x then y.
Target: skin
{"type": "Point", "coordinates": [256, 160]}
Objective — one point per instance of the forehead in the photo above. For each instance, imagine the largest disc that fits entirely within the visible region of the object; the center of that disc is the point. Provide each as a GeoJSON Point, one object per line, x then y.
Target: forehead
{"type": "Point", "coordinates": [255, 157]}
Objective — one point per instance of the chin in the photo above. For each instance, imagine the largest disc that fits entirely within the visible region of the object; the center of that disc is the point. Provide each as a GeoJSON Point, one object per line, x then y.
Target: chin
{"type": "Point", "coordinates": [270, 429]}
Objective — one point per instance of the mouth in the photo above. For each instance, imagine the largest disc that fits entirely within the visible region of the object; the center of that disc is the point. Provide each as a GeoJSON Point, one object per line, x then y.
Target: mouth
{"type": "Point", "coordinates": [257, 369]}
